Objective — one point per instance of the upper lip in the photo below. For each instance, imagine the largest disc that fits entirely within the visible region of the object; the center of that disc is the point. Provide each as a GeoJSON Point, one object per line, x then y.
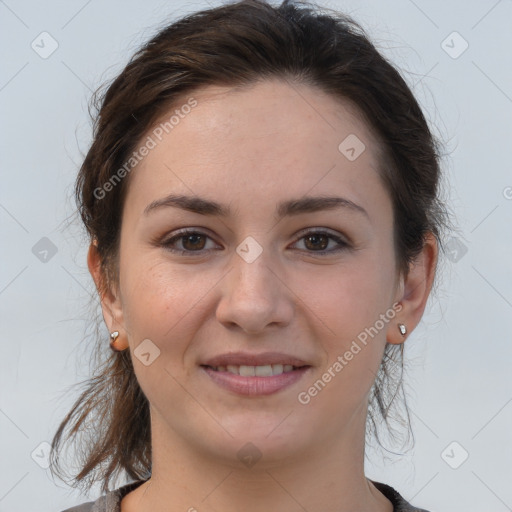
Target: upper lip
{"type": "Point", "coordinates": [247, 359]}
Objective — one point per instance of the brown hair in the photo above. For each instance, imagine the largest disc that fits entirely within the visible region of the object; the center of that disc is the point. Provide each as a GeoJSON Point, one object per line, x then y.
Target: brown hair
{"type": "Point", "coordinates": [237, 45]}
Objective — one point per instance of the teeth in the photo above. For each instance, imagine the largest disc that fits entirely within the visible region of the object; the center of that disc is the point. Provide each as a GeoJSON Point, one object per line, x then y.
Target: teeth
{"type": "Point", "coordinates": [255, 371]}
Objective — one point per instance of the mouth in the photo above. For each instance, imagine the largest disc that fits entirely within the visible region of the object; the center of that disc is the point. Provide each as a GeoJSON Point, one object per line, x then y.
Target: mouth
{"type": "Point", "coordinates": [268, 370]}
{"type": "Point", "coordinates": [254, 381]}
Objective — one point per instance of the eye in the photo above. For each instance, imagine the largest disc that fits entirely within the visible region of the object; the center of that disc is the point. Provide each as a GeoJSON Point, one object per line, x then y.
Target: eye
{"type": "Point", "coordinates": [318, 241]}
{"type": "Point", "coordinates": [192, 242]}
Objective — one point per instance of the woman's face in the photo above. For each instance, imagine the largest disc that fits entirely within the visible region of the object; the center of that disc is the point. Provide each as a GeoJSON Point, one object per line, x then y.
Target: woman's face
{"type": "Point", "coordinates": [268, 276]}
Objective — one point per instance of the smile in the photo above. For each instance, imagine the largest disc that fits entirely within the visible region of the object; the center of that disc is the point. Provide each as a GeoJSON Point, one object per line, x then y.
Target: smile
{"type": "Point", "coordinates": [256, 371]}
{"type": "Point", "coordinates": [255, 380]}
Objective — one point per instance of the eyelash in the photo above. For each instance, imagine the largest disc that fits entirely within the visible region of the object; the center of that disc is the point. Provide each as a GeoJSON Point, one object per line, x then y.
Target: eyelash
{"type": "Point", "coordinates": [343, 245]}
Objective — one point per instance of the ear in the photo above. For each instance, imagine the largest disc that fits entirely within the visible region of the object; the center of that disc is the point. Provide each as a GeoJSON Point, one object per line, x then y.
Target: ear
{"type": "Point", "coordinates": [414, 291]}
{"type": "Point", "coordinates": [110, 298]}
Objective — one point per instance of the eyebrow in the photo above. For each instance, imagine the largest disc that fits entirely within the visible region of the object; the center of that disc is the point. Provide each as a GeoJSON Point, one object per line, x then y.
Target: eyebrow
{"type": "Point", "coordinates": [306, 204]}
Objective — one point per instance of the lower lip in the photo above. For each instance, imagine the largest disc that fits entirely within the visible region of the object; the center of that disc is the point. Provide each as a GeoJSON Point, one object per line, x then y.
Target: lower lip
{"type": "Point", "coordinates": [255, 386]}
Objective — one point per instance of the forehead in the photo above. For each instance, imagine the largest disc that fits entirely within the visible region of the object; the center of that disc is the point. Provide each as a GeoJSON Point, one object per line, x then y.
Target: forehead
{"type": "Point", "coordinates": [271, 138]}
{"type": "Point", "coordinates": [260, 110]}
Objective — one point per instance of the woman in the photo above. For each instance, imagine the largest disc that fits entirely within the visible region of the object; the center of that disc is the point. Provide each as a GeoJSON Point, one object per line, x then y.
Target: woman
{"type": "Point", "coordinates": [261, 196]}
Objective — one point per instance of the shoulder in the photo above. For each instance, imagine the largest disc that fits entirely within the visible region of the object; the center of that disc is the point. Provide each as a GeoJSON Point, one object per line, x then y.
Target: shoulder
{"type": "Point", "coordinates": [84, 507]}
{"type": "Point", "coordinates": [399, 503]}
{"type": "Point", "coordinates": [110, 502]}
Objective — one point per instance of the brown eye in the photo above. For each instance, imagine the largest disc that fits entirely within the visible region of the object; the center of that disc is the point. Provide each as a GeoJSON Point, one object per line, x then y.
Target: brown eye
{"type": "Point", "coordinates": [192, 242]}
{"type": "Point", "coordinates": [317, 242]}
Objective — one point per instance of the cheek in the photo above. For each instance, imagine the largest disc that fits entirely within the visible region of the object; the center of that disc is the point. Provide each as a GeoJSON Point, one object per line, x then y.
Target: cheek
{"type": "Point", "coordinates": [163, 305]}
{"type": "Point", "coordinates": [350, 304]}
{"type": "Point", "coordinates": [351, 297]}
{"type": "Point", "coordinates": [156, 298]}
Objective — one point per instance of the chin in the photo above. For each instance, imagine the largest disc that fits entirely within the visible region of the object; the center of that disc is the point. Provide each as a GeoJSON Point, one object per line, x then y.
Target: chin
{"type": "Point", "coordinates": [261, 440]}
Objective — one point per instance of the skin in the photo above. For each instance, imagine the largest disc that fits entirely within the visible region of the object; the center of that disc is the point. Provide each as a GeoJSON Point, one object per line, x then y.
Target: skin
{"type": "Point", "coordinates": [250, 149]}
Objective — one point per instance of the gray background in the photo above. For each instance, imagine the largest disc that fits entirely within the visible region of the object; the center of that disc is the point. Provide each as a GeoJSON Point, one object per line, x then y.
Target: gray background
{"type": "Point", "coordinates": [459, 384]}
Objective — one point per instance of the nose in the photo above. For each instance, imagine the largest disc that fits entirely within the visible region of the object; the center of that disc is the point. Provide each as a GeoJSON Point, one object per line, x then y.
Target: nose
{"type": "Point", "coordinates": [254, 296]}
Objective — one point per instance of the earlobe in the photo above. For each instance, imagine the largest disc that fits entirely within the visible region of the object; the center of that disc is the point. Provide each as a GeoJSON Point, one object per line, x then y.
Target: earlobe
{"type": "Point", "coordinates": [110, 301]}
{"type": "Point", "coordinates": [416, 290]}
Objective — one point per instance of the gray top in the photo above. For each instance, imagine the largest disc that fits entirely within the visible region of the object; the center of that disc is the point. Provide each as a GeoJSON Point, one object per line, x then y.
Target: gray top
{"type": "Point", "coordinates": [111, 502]}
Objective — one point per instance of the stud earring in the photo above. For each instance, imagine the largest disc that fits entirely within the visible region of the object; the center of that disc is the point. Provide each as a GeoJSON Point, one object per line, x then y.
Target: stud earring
{"type": "Point", "coordinates": [113, 337]}
{"type": "Point", "coordinates": [402, 329]}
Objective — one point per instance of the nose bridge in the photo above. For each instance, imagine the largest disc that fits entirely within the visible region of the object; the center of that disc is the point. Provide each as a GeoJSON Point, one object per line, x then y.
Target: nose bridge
{"type": "Point", "coordinates": [253, 295]}
{"type": "Point", "coordinates": [253, 270]}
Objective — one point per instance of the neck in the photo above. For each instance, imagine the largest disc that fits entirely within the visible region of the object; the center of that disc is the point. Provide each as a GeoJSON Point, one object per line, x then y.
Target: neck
{"type": "Point", "coordinates": [326, 477]}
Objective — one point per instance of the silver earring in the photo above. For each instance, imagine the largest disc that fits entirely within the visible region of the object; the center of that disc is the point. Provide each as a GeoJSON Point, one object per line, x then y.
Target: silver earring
{"type": "Point", "coordinates": [402, 329]}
